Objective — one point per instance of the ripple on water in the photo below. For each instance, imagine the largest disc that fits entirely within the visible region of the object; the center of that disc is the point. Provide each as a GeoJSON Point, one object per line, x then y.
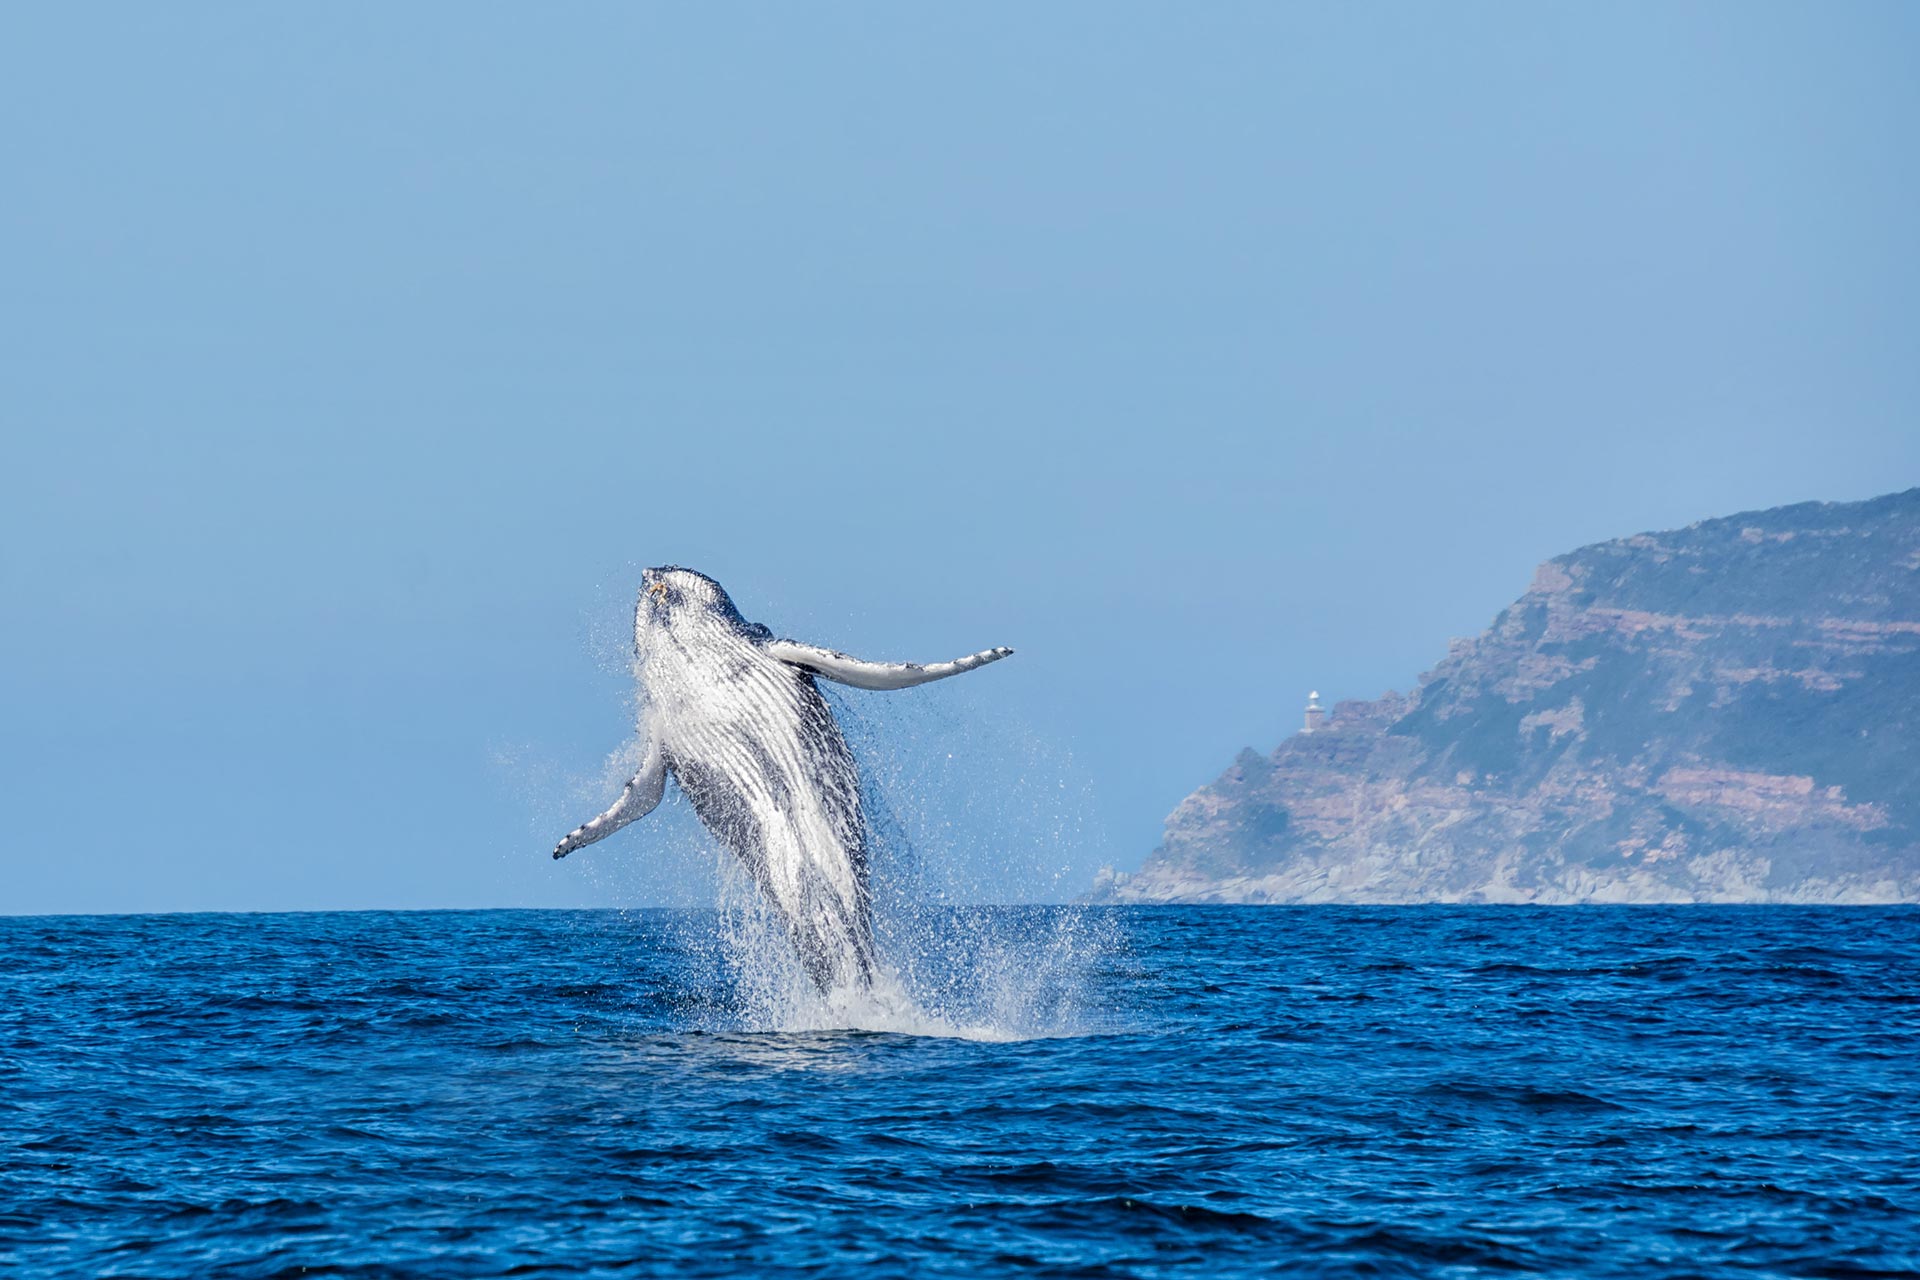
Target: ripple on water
{"type": "Point", "coordinates": [1338, 1091]}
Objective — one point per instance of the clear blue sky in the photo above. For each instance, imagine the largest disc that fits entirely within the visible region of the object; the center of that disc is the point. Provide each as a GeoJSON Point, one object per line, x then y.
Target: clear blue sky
{"type": "Point", "coordinates": [353, 360]}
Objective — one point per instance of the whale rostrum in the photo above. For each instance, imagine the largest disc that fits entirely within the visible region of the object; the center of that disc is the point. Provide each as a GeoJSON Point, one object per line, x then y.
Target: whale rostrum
{"type": "Point", "coordinates": [735, 716]}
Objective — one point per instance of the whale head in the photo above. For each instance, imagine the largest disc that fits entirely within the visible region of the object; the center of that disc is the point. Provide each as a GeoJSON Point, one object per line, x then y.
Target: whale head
{"type": "Point", "coordinates": [683, 601]}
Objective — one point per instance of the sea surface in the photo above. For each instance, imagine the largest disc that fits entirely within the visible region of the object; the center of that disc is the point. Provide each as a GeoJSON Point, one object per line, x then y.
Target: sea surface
{"type": "Point", "coordinates": [1432, 1092]}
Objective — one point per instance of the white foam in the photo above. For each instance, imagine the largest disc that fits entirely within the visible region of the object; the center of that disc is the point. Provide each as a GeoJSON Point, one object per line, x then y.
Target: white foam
{"type": "Point", "coordinates": [974, 973]}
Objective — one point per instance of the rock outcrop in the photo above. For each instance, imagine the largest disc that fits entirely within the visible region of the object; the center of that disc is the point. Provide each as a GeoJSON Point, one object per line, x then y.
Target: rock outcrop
{"type": "Point", "coordinates": [1725, 713]}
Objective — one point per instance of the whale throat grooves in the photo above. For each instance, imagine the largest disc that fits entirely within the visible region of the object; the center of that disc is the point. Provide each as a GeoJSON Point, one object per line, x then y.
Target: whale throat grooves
{"type": "Point", "coordinates": [767, 770]}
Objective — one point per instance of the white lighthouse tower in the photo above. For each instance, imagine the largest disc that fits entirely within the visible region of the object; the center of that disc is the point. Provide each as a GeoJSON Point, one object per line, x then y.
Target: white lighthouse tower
{"type": "Point", "coordinates": [1316, 714]}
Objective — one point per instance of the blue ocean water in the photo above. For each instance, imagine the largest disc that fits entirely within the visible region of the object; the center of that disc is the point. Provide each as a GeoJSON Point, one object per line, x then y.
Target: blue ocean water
{"type": "Point", "coordinates": [1193, 1091]}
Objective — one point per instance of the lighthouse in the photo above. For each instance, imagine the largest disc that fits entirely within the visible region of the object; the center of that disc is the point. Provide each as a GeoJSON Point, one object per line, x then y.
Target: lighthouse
{"type": "Point", "coordinates": [1316, 714]}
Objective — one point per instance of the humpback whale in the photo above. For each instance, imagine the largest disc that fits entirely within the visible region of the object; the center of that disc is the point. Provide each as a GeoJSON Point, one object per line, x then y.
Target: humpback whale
{"type": "Point", "coordinates": [733, 713]}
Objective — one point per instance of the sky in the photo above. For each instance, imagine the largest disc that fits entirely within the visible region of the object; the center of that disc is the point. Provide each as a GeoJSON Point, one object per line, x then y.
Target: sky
{"type": "Point", "coordinates": [355, 359]}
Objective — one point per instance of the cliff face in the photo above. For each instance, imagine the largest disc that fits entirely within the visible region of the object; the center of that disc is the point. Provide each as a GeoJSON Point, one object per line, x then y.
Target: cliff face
{"type": "Point", "coordinates": [1725, 713]}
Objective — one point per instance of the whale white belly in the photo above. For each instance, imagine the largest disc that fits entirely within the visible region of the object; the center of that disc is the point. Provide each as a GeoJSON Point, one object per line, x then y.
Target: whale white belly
{"type": "Point", "coordinates": [756, 749]}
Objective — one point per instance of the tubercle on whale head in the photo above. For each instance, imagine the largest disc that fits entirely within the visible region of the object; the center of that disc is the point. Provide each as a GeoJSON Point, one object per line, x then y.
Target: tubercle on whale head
{"type": "Point", "coordinates": [674, 596]}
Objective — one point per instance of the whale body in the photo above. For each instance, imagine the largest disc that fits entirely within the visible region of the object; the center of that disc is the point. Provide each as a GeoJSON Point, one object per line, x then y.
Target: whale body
{"type": "Point", "coordinates": [735, 716]}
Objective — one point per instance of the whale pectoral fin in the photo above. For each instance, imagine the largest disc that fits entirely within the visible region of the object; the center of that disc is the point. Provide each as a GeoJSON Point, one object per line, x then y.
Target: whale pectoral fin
{"type": "Point", "coordinates": [862, 674]}
{"type": "Point", "coordinates": [642, 793]}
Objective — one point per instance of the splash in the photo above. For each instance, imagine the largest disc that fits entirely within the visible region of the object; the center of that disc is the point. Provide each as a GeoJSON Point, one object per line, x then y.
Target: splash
{"type": "Point", "coordinates": [966, 806]}
{"type": "Point", "coordinates": [987, 973]}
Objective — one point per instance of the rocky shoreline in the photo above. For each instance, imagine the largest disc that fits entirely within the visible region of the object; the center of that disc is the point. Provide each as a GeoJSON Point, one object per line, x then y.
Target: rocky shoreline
{"type": "Point", "coordinates": [1724, 713]}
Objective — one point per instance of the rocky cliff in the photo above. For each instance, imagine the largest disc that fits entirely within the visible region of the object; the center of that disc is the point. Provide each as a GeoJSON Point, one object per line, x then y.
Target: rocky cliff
{"type": "Point", "coordinates": [1725, 713]}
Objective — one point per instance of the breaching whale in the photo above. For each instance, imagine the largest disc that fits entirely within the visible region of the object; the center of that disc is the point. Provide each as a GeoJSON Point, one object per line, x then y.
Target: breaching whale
{"type": "Point", "coordinates": [734, 715]}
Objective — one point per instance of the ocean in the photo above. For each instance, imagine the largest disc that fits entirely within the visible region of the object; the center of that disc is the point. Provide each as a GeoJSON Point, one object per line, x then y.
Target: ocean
{"type": "Point", "coordinates": [1204, 1091]}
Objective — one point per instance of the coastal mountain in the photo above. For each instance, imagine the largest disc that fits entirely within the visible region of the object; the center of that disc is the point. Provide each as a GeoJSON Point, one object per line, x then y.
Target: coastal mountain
{"type": "Point", "coordinates": [1728, 712]}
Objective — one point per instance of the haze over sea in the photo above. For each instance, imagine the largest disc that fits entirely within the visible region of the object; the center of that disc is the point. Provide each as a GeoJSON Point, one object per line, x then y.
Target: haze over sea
{"type": "Point", "coordinates": [1422, 1091]}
